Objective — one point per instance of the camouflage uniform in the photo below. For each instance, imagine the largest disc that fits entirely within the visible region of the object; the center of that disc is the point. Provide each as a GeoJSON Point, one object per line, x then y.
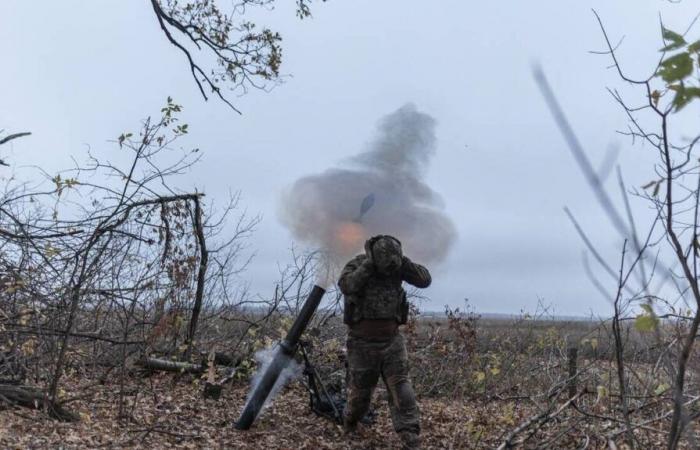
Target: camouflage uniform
{"type": "Point", "coordinates": [375, 305]}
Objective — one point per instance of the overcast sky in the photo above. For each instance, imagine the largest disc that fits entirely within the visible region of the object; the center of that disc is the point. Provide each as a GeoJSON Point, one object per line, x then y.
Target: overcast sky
{"type": "Point", "coordinates": [78, 73]}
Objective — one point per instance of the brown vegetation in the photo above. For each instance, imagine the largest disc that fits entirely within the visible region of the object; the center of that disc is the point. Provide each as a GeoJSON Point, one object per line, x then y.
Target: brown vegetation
{"type": "Point", "coordinates": [481, 384]}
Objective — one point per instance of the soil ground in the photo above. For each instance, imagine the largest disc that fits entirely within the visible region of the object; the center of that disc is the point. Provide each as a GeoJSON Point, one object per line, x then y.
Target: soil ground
{"type": "Point", "coordinates": [170, 413]}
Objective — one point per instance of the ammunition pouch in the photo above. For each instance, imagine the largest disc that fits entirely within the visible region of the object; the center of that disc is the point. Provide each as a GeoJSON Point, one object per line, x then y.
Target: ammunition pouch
{"type": "Point", "coordinates": [355, 309]}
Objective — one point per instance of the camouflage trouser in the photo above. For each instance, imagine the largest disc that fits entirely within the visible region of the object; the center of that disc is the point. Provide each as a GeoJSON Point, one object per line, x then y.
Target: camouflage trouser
{"type": "Point", "coordinates": [366, 362]}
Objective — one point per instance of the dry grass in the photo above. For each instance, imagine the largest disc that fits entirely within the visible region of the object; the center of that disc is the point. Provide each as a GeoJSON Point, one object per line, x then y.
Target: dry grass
{"type": "Point", "coordinates": [476, 382]}
{"type": "Point", "coordinates": [167, 412]}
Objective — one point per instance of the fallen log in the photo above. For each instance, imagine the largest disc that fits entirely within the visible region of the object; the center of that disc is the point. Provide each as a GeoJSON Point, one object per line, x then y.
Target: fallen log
{"type": "Point", "coordinates": [33, 398]}
{"type": "Point", "coordinates": [170, 366]}
{"type": "Point", "coordinates": [221, 359]}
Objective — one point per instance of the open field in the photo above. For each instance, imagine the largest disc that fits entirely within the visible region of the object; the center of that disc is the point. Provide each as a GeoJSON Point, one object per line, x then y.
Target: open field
{"type": "Point", "coordinates": [480, 383]}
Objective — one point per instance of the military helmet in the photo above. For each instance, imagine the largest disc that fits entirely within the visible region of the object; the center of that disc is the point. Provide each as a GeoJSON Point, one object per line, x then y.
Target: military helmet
{"type": "Point", "coordinates": [385, 252]}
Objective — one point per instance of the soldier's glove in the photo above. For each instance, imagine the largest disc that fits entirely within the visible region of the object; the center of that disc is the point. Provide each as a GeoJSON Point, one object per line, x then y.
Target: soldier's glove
{"type": "Point", "coordinates": [368, 251]}
{"type": "Point", "coordinates": [405, 265]}
{"type": "Point", "coordinates": [368, 266]}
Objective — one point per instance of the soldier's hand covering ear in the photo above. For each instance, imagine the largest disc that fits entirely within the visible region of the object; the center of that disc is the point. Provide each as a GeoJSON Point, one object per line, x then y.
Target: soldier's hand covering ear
{"type": "Point", "coordinates": [355, 274]}
{"type": "Point", "coordinates": [414, 274]}
{"type": "Point", "coordinates": [368, 249]}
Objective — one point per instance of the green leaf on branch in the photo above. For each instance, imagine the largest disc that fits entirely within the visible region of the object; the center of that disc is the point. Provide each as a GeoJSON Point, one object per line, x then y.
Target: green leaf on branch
{"type": "Point", "coordinates": [694, 47]}
{"type": "Point", "coordinates": [674, 39]}
{"type": "Point", "coordinates": [645, 323]}
{"type": "Point", "coordinates": [676, 68]}
{"type": "Point", "coordinates": [684, 95]}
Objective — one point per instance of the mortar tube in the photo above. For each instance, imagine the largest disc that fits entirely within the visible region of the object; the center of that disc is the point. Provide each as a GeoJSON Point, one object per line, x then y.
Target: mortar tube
{"type": "Point", "coordinates": [285, 351]}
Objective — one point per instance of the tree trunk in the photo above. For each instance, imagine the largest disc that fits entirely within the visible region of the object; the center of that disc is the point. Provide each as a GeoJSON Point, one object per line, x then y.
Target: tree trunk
{"type": "Point", "coordinates": [33, 398]}
{"type": "Point", "coordinates": [170, 366]}
{"type": "Point", "coordinates": [203, 260]}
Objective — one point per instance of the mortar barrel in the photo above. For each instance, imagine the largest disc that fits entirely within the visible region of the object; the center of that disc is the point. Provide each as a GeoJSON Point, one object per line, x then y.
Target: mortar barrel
{"type": "Point", "coordinates": [284, 353]}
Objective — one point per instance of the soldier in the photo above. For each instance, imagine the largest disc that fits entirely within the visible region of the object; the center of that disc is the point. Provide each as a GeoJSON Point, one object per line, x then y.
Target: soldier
{"type": "Point", "coordinates": [375, 306]}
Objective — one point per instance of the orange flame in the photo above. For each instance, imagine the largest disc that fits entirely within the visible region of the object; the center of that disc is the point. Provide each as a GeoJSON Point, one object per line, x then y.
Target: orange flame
{"type": "Point", "coordinates": [349, 238]}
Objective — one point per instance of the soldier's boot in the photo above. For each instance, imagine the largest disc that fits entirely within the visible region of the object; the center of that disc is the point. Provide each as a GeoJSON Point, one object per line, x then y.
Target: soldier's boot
{"type": "Point", "coordinates": [349, 426]}
{"type": "Point", "coordinates": [409, 440]}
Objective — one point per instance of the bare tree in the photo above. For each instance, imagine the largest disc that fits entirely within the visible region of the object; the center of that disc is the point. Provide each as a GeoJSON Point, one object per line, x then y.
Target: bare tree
{"type": "Point", "coordinates": [246, 56]}
{"type": "Point", "coordinates": [113, 263]}
{"type": "Point", "coordinates": [673, 322]}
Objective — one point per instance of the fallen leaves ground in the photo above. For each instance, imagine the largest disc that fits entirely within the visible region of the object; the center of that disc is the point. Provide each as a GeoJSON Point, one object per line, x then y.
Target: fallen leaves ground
{"type": "Point", "coordinates": [167, 412]}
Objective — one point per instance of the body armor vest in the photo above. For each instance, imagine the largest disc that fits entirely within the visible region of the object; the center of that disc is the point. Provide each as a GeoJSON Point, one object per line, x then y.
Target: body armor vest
{"type": "Point", "coordinates": [381, 298]}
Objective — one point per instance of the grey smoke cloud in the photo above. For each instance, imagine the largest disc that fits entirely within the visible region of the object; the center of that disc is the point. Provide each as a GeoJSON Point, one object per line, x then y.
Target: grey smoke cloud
{"type": "Point", "coordinates": [265, 357]}
{"type": "Point", "coordinates": [322, 209]}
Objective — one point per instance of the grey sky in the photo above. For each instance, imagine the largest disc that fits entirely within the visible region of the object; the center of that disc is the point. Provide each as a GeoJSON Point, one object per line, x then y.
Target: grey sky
{"type": "Point", "coordinates": [78, 73]}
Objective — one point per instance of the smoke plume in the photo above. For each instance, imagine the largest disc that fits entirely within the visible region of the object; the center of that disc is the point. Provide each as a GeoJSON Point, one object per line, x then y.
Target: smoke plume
{"type": "Point", "coordinates": [379, 191]}
{"type": "Point", "coordinates": [265, 357]}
